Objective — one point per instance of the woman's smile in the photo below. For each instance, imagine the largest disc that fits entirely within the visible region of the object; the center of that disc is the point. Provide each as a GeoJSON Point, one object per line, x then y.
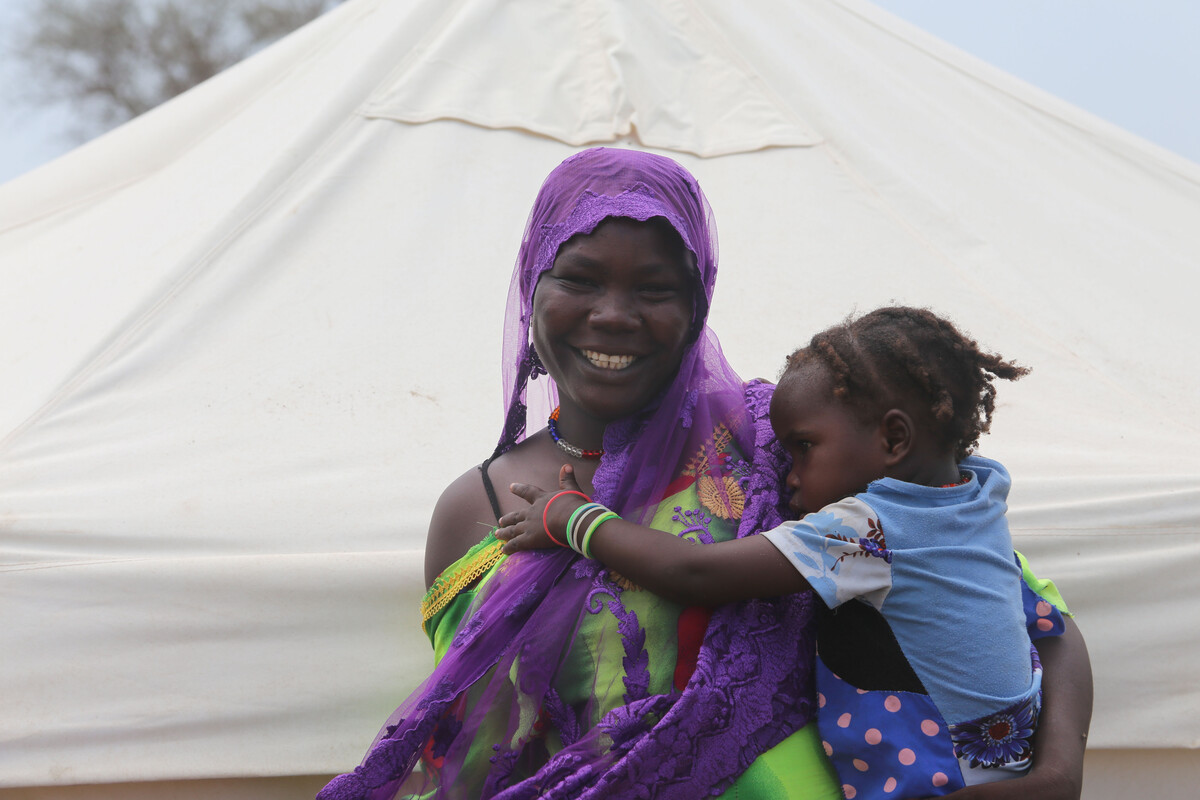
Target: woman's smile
{"type": "Point", "coordinates": [607, 361]}
{"type": "Point", "coordinates": [611, 318]}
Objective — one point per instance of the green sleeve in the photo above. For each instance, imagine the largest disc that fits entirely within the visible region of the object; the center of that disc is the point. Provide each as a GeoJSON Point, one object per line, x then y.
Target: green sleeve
{"type": "Point", "coordinates": [1043, 588]}
{"type": "Point", "coordinates": [453, 592]}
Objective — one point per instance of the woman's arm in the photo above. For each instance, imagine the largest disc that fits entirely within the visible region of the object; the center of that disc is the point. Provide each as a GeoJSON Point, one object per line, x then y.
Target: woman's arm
{"type": "Point", "coordinates": [671, 567]}
{"type": "Point", "coordinates": [1059, 742]}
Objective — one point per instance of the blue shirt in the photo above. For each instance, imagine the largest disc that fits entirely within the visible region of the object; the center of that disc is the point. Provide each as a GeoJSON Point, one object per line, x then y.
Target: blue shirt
{"type": "Point", "coordinates": [938, 565]}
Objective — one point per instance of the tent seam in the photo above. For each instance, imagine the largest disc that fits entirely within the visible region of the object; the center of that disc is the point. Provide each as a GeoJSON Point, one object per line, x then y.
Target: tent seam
{"type": "Point", "coordinates": [151, 311]}
{"type": "Point", "coordinates": [698, 13]}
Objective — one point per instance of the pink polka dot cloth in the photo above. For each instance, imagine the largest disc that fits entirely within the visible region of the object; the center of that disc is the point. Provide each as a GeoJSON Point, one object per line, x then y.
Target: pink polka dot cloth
{"type": "Point", "coordinates": [884, 744]}
{"type": "Point", "coordinates": [1042, 618]}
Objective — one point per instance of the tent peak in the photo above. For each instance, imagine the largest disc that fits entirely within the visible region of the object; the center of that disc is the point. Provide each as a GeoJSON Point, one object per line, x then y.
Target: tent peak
{"type": "Point", "coordinates": [588, 72]}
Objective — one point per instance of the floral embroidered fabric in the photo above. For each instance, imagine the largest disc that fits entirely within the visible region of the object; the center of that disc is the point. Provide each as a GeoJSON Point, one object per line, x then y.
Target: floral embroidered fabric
{"type": "Point", "coordinates": [560, 681]}
{"type": "Point", "coordinates": [886, 743]}
{"type": "Point", "coordinates": [934, 565]}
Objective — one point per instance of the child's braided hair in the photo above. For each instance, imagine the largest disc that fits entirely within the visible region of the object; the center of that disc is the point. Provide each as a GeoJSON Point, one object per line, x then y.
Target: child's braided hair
{"type": "Point", "coordinates": [911, 357]}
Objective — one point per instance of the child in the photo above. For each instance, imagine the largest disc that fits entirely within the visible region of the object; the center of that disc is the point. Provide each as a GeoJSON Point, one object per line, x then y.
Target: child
{"type": "Point", "coordinates": [928, 681]}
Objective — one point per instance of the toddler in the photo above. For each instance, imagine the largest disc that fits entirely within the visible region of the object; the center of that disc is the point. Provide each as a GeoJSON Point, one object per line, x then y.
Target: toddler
{"type": "Point", "coordinates": [926, 676]}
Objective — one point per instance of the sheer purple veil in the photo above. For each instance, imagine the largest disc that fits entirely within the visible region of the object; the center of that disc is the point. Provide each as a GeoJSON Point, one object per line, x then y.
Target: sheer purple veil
{"type": "Point", "coordinates": [579, 194]}
{"type": "Point", "coordinates": [751, 686]}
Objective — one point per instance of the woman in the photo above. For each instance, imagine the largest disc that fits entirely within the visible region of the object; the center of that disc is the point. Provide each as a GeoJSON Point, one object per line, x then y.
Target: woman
{"type": "Point", "coordinates": [557, 678]}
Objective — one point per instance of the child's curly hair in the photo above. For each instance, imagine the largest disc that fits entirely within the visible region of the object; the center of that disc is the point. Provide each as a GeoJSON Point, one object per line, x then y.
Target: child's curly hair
{"type": "Point", "coordinates": [911, 357]}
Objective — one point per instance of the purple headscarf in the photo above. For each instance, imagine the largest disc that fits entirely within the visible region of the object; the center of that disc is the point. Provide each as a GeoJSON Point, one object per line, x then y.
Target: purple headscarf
{"type": "Point", "coordinates": [751, 686]}
{"type": "Point", "coordinates": [578, 195]}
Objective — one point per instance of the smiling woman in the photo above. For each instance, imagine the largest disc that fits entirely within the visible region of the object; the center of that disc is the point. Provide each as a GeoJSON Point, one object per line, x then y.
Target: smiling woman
{"type": "Point", "coordinates": [610, 321]}
{"type": "Point", "coordinates": [555, 676]}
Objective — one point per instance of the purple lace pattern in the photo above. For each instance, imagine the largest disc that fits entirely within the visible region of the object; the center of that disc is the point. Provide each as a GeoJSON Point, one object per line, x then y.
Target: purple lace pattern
{"type": "Point", "coordinates": [496, 691]}
{"type": "Point", "coordinates": [752, 686]}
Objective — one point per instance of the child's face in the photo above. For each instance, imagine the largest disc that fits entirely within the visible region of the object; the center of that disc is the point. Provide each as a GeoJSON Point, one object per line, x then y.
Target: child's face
{"type": "Point", "coordinates": [834, 454]}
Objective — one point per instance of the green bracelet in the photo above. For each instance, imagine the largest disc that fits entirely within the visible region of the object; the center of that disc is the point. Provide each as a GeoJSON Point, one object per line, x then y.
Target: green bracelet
{"type": "Point", "coordinates": [586, 547]}
{"type": "Point", "coordinates": [570, 531]}
{"type": "Point", "coordinates": [581, 525]}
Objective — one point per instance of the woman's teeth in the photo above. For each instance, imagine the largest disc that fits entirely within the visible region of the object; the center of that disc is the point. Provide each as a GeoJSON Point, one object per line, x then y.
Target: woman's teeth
{"type": "Point", "coordinates": [605, 361]}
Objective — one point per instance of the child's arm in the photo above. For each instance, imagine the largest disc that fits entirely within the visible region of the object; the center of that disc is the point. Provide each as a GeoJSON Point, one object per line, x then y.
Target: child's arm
{"type": "Point", "coordinates": [671, 567]}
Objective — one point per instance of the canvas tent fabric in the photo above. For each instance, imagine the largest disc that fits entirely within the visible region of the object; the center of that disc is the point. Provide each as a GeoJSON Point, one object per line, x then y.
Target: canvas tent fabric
{"type": "Point", "coordinates": [249, 337]}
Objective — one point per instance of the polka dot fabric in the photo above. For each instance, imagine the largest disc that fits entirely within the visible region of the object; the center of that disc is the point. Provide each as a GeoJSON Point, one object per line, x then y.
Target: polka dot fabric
{"type": "Point", "coordinates": [1041, 616]}
{"type": "Point", "coordinates": [884, 744]}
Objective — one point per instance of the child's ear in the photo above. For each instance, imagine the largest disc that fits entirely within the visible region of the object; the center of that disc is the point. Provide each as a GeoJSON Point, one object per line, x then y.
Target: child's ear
{"type": "Point", "coordinates": [898, 431]}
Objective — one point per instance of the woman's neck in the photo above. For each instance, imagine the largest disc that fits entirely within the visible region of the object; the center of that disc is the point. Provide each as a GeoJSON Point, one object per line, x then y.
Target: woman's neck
{"type": "Point", "coordinates": [579, 428]}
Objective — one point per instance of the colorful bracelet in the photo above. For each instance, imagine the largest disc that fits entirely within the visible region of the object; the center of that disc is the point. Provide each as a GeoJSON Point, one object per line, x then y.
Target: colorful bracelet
{"type": "Point", "coordinates": [546, 510]}
{"type": "Point", "coordinates": [579, 525]}
{"type": "Point", "coordinates": [571, 522]}
{"type": "Point", "coordinates": [586, 546]}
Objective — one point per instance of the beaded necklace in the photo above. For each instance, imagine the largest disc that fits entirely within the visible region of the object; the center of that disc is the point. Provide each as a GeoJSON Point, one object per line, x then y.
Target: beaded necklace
{"type": "Point", "coordinates": [962, 478]}
{"type": "Point", "coordinates": [563, 444]}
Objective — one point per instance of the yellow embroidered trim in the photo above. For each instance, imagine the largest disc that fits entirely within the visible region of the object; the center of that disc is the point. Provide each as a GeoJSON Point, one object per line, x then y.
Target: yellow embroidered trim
{"type": "Point", "coordinates": [446, 589]}
{"type": "Point", "coordinates": [726, 500]}
{"type": "Point", "coordinates": [720, 441]}
{"type": "Point", "coordinates": [623, 582]}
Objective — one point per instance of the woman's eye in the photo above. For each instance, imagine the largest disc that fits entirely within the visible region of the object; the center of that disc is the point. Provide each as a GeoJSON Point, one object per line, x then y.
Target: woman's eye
{"type": "Point", "coordinates": [575, 281]}
{"type": "Point", "coordinates": [660, 292]}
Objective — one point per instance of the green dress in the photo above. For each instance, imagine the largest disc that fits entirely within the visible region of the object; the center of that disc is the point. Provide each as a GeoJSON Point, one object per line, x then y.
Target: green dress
{"type": "Point", "coordinates": [592, 676]}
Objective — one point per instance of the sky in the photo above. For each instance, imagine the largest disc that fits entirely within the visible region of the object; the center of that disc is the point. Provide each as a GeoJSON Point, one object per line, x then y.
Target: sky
{"type": "Point", "coordinates": [1136, 64]}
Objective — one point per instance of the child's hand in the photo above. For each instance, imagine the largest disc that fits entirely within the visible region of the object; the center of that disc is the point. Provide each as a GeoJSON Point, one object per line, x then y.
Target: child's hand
{"type": "Point", "coordinates": [524, 529]}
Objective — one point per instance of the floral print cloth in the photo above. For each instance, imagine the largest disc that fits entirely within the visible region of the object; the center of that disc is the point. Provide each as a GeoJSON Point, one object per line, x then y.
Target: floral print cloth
{"type": "Point", "coordinates": [936, 563]}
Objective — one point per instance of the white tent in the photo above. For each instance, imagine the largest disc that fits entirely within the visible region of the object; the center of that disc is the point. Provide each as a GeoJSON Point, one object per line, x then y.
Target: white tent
{"type": "Point", "coordinates": [234, 330]}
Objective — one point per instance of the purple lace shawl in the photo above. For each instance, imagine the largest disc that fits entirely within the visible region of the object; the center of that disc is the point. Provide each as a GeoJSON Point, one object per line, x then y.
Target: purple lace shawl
{"type": "Point", "coordinates": [752, 684]}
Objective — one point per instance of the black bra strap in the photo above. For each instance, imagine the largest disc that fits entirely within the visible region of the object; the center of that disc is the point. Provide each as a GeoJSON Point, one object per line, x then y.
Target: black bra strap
{"type": "Point", "coordinates": [491, 490]}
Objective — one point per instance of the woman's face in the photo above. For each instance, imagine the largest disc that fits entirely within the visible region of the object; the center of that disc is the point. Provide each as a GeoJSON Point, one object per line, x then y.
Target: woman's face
{"type": "Point", "coordinates": [611, 317]}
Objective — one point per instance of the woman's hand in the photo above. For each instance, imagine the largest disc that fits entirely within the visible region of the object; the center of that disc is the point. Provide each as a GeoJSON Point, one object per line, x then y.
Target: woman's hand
{"type": "Point", "coordinates": [526, 529]}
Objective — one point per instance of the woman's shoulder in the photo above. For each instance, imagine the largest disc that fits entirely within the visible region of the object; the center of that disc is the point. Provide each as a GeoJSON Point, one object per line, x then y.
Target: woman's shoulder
{"type": "Point", "coordinates": [466, 511]}
{"type": "Point", "coordinates": [462, 516]}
